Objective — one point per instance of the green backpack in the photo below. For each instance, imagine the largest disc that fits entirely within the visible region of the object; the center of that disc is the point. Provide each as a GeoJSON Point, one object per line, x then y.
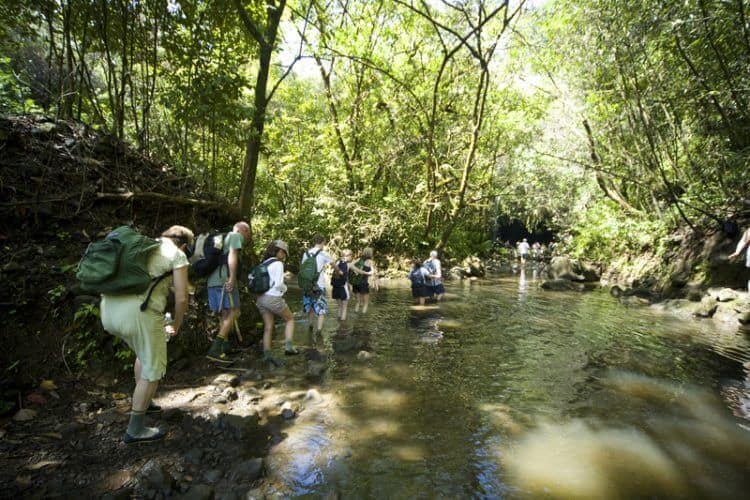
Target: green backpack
{"type": "Point", "coordinates": [117, 265]}
{"type": "Point", "coordinates": [308, 274]}
{"type": "Point", "coordinates": [259, 280]}
{"type": "Point", "coordinates": [356, 278]}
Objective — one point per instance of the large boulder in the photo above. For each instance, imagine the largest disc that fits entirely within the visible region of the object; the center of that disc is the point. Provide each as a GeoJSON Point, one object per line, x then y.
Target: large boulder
{"type": "Point", "coordinates": [562, 285]}
{"type": "Point", "coordinates": [563, 268]}
{"type": "Point", "coordinates": [589, 271]}
{"type": "Point", "coordinates": [473, 266]}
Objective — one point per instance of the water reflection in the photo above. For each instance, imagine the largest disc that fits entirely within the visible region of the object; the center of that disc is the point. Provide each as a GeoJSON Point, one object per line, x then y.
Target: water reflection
{"type": "Point", "coordinates": [506, 389]}
{"type": "Point", "coordinates": [690, 447]}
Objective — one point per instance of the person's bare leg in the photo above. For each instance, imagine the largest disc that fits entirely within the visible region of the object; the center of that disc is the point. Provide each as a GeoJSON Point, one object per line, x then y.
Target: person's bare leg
{"type": "Point", "coordinates": [227, 320]}
{"type": "Point", "coordinates": [343, 305]}
{"type": "Point", "coordinates": [267, 331]}
{"type": "Point", "coordinates": [288, 317]}
{"type": "Point", "coordinates": [366, 300]}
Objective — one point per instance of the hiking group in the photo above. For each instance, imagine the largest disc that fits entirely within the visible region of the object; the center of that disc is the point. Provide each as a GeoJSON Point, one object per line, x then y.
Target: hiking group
{"type": "Point", "coordinates": [129, 271]}
{"type": "Point", "coordinates": [427, 279]}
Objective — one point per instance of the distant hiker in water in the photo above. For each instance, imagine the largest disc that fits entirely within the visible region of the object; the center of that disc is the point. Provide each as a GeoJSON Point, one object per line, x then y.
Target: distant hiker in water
{"type": "Point", "coordinates": [340, 283]}
{"type": "Point", "coordinates": [359, 274]}
{"type": "Point", "coordinates": [223, 292]}
{"type": "Point", "coordinates": [418, 277]}
{"type": "Point", "coordinates": [314, 299]}
{"type": "Point", "coordinates": [271, 303]}
{"type": "Point", "coordinates": [523, 251]}
{"type": "Point", "coordinates": [743, 244]}
{"type": "Point", "coordinates": [435, 283]}
{"type": "Point", "coordinates": [144, 330]}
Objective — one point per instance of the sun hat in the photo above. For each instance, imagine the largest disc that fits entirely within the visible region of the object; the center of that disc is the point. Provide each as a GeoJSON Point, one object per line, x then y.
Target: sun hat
{"type": "Point", "coordinates": [282, 245]}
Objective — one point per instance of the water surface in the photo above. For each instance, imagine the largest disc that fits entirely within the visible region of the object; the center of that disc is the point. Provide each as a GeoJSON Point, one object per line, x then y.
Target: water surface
{"type": "Point", "coordinates": [507, 390]}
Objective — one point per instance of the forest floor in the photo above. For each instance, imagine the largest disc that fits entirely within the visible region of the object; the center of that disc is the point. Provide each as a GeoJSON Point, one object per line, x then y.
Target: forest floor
{"type": "Point", "coordinates": [221, 423]}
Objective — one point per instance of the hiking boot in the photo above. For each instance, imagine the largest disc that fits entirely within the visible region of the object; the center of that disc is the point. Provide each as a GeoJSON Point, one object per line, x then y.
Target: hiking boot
{"type": "Point", "coordinates": [219, 351]}
{"type": "Point", "coordinates": [159, 434]}
{"type": "Point", "coordinates": [291, 352]}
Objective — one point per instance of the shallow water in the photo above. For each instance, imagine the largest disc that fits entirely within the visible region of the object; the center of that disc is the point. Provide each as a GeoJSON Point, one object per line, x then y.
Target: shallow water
{"type": "Point", "coordinates": [506, 390]}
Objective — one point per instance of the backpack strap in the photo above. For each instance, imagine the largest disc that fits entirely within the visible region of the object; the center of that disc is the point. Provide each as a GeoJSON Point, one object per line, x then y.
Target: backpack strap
{"type": "Point", "coordinates": [154, 282]}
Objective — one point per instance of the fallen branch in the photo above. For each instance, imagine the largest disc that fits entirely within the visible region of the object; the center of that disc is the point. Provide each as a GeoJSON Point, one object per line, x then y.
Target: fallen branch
{"type": "Point", "coordinates": [179, 200]}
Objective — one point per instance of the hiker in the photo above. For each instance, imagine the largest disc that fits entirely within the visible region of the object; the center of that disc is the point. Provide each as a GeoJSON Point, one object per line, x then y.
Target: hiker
{"type": "Point", "coordinates": [359, 274]}
{"type": "Point", "coordinates": [435, 283]}
{"type": "Point", "coordinates": [314, 299]}
{"type": "Point", "coordinates": [523, 251]}
{"type": "Point", "coordinates": [742, 245]}
{"type": "Point", "coordinates": [223, 292]}
{"type": "Point", "coordinates": [271, 303]}
{"type": "Point", "coordinates": [418, 277]}
{"type": "Point", "coordinates": [340, 283]}
{"type": "Point", "coordinates": [144, 329]}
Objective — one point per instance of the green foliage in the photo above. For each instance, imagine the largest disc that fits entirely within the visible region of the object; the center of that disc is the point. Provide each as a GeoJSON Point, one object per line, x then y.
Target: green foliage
{"type": "Point", "coordinates": [601, 234]}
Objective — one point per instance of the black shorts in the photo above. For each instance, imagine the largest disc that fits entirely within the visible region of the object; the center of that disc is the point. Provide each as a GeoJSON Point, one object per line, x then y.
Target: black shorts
{"type": "Point", "coordinates": [362, 288]}
{"type": "Point", "coordinates": [420, 291]}
{"type": "Point", "coordinates": [438, 289]}
{"type": "Point", "coordinates": [340, 293]}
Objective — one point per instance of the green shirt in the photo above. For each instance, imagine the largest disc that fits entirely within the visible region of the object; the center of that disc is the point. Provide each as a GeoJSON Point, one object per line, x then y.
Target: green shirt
{"type": "Point", "coordinates": [221, 273]}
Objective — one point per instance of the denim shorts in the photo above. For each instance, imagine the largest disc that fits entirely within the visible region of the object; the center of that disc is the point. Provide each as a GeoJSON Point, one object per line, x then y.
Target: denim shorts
{"type": "Point", "coordinates": [214, 298]}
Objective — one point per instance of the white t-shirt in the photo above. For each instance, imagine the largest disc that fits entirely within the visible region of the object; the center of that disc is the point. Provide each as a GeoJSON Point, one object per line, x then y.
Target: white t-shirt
{"type": "Point", "coordinates": [321, 259]}
{"type": "Point", "coordinates": [276, 275]}
{"type": "Point", "coordinates": [523, 247]}
{"type": "Point", "coordinates": [438, 271]}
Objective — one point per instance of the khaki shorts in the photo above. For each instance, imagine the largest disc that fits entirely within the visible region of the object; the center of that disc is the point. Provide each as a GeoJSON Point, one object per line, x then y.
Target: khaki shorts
{"type": "Point", "coordinates": [271, 304]}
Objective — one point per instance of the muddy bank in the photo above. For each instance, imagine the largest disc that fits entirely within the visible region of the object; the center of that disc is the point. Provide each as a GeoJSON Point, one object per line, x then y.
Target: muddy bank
{"type": "Point", "coordinates": [221, 422]}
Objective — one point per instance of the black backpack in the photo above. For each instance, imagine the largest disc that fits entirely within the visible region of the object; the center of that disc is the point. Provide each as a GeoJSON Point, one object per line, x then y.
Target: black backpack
{"type": "Point", "coordinates": [259, 280]}
{"type": "Point", "coordinates": [209, 253]}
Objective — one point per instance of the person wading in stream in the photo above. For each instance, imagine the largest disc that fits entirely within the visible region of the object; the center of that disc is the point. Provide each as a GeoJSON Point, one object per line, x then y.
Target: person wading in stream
{"type": "Point", "coordinates": [743, 244]}
{"type": "Point", "coordinates": [359, 274]}
{"type": "Point", "coordinates": [271, 303]}
{"type": "Point", "coordinates": [143, 330]}
{"type": "Point", "coordinates": [223, 294]}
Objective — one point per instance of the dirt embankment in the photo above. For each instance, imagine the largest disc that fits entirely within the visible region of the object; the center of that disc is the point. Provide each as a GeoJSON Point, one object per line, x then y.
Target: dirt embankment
{"type": "Point", "coordinates": [63, 185]}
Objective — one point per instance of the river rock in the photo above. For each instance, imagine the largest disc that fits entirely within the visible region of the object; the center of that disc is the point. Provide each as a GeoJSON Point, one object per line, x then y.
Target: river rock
{"type": "Point", "coordinates": [679, 307]}
{"type": "Point", "coordinates": [473, 266]}
{"type": "Point", "coordinates": [247, 471]}
{"type": "Point", "coordinates": [632, 300]}
{"type": "Point", "coordinates": [725, 313]}
{"type": "Point", "coordinates": [194, 456]}
{"type": "Point", "coordinates": [562, 285]}
{"type": "Point", "coordinates": [212, 476]}
{"type": "Point", "coordinates": [706, 308]}
{"type": "Point", "coordinates": [199, 492]}
{"type": "Point", "coordinates": [364, 355]}
{"type": "Point", "coordinates": [457, 273]}
{"type": "Point", "coordinates": [589, 271]}
{"type": "Point", "coordinates": [153, 475]}
{"type": "Point", "coordinates": [315, 368]}
{"type": "Point", "coordinates": [288, 412]}
{"type": "Point", "coordinates": [227, 379]}
{"type": "Point", "coordinates": [230, 394]}
{"type": "Point", "coordinates": [313, 396]}
{"type": "Point", "coordinates": [562, 268]}
{"type": "Point", "coordinates": [240, 426]}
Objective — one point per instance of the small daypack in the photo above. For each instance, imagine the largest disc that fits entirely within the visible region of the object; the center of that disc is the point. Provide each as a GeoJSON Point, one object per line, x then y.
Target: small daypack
{"type": "Point", "coordinates": [356, 278]}
{"type": "Point", "coordinates": [209, 253]}
{"type": "Point", "coordinates": [339, 279]}
{"type": "Point", "coordinates": [417, 277]}
{"type": "Point", "coordinates": [308, 274]}
{"type": "Point", "coordinates": [118, 265]}
{"type": "Point", "coordinates": [259, 280]}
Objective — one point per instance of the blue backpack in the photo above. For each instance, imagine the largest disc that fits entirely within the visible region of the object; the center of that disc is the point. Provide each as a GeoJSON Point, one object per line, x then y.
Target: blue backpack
{"type": "Point", "coordinates": [417, 277]}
